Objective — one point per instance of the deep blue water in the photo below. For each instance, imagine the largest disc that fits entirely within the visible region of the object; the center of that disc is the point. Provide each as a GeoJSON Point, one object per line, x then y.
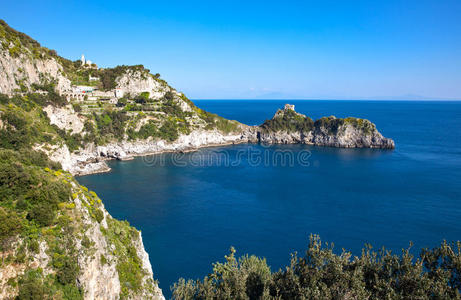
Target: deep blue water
{"type": "Point", "coordinates": [191, 208]}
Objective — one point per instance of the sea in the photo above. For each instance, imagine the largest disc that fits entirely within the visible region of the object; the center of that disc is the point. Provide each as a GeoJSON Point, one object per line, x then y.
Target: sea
{"type": "Point", "coordinates": [267, 200]}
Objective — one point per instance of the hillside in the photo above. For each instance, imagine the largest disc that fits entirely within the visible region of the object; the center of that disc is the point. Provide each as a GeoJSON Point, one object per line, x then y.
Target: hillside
{"type": "Point", "coordinates": [113, 107]}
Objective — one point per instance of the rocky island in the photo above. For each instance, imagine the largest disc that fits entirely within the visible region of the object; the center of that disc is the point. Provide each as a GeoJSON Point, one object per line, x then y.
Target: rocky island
{"type": "Point", "coordinates": [289, 127]}
{"type": "Point", "coordinates": [60, 118]}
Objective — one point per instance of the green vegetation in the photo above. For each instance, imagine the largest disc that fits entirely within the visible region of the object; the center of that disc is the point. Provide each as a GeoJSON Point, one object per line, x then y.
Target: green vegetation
{"type": "Point", "coordinates": [27, 190]}
{"type": "Point", "coordinates": [37, 205]}
{"type": "Point", "coordinates": [10, 225]}
{"type": "Point", "coordinates": [110, 125]}
{"type": "Point", "coordinates": [129, 267]}
{"type": "Point", "coordinates": [322, 274]}
{"type": "Point", "coordinates": [289, 121]}
{"type": "Point", "coordinates": [142, 98]}
{"type": "Point", "coordinates": [108, 76]}
{"type": "Point", "coordinates": [79, 75]}
{"type": "Point", "coordinates": [25, 124]}
{"type": "Point", "coordinates": [218, 122]}
{"type": "Point", "coordinates": [332, 124]}
{"type": "Point", "coordinates": [18, 39]}
{"type": "Point", "coordinates": [51, 96]}
{"type": "Point", "coordinates": [77, 107]}
{"type": "Point", "coordinates": [34, 285]}
{"type": "Point", "coordinates": [32, 194]}
{"type": "Point", "coordinates": [18, 43]}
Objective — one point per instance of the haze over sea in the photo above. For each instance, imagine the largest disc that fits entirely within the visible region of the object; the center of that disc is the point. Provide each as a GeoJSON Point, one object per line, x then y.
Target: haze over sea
{"type": "Point", "coordinates": [191, 208]}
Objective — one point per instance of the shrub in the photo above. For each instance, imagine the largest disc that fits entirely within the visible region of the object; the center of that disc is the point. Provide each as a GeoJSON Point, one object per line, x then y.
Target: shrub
{"type": "Point", "coordinates": [322, 274]}
{"type": "Point", "coordinates": [111, 124]}
{"type": "Point", "coordinates": [149, 129]}
{"type": "Point", "coordinates": [289, 121]}
{"type": "Point", "coordinates": [144, 96]}
{"type": "Point", "coordinates": [34, 246]}
{"type": "Point", "coordinates": [42, 214]}
{"type": "Point", "coordinates": [52, 97]}
{"type": "Point", "coordinates": [169, 131]}
{"type": "Point", "coordinates": [10, 225]}
{"type": "Point", "coordinates": [77, 107]}
{"type": "Point", "coordinates": [99, 215]}
{"type": "Point", "coordinates": [31, 286]}
{"type": "Point", "coordinates": [121, 102]}
{"type": "Point", "coordinates": [66, 269]}
{"type": "Point", "coordinates": [245, 278]}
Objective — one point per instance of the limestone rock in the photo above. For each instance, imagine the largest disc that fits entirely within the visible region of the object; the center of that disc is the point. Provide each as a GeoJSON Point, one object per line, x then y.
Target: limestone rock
{"type": "Point", "coordinates": [65, 118]}
{"type": "Point", "coordinates": [24, 70]}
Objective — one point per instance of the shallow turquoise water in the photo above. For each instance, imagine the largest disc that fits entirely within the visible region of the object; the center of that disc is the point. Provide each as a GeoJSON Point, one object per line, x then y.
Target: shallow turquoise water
{"type": "Point", "coordinates": [192, 207]}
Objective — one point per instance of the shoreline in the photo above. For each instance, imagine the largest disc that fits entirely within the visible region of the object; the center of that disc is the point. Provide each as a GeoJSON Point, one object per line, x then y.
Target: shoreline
{"type": "Point", "coordinates": [104, 159]}
{"type": "Point", "coordinates": [105, 168]}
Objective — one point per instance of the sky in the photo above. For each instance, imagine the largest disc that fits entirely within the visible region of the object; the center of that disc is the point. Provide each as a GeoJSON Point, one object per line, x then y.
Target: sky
{"type": "Point", "coordinates": [379, 49]}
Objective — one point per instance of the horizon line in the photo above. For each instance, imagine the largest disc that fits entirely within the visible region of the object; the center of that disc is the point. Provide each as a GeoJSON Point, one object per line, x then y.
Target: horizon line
{"type": "Point", "coordinates": [330, 99]}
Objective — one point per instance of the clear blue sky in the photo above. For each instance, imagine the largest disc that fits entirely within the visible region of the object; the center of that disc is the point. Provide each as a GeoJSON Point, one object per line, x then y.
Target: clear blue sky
{"type": "Point", "coordinates": [263, 49]}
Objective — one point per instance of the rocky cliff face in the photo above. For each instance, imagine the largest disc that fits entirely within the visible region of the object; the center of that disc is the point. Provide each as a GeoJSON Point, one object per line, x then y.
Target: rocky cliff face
{"type": "Point", "coordinates": [136, 82]}
{"type": "Point", "coordinates": [92, 159]}
{"type": "Point", "coordinates": [110, 254]}
{"type": "Point", "coordinates": [19, 72]}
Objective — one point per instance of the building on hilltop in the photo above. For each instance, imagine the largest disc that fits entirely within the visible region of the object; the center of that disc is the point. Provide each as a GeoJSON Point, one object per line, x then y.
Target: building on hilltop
{"type": "Point", "coordinates": [289, 107]}
{"type": "Point", "coordinates": [83, 89]}
{"type": "Point", "coordinates": [86, 62]}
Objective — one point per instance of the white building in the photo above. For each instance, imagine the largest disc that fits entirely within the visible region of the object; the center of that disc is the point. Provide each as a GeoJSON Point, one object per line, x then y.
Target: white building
{"type": "Point", "coordinates": [83, 89]}
{"type": "Point", "coordinates": [85, 62]}
{"type": "Point", "coordinates": [119, 93]}
{"type": "Point", "coordinates": [289, 107]}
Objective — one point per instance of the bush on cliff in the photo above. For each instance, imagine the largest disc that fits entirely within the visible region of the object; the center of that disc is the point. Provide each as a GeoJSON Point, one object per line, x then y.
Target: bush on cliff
{"type": "Point", "coordinates": [10, 225]}
{"type": "Point", "coordinates": [322, 274]}
{"type": "Point", "coordinates": [29, 189]}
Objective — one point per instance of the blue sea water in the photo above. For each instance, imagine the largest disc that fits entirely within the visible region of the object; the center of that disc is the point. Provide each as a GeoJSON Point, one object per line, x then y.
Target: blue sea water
{"type": "Point", "coordinates": [192, 207]}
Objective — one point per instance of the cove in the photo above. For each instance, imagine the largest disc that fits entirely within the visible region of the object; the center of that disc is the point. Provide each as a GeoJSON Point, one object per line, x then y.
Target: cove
{"type": "Point", "coordinates": [192, 207]}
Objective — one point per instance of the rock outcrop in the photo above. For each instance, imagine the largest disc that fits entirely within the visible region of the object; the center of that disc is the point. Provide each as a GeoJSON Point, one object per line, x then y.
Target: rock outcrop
{"type": "Point", "coordinates": [92, 159]}
{"type": "Point", "coordinates": [19, 73]}
{"type": "Point", "coordinates": [289, 127]}
{"type": "Point", "coordinates": [136, 81]}
{"type": "Point", "coordinates": [65, 118]}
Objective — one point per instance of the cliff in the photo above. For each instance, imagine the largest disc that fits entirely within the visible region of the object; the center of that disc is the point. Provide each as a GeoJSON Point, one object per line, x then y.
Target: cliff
{"type": "Point", "coordinates": [58, 241]}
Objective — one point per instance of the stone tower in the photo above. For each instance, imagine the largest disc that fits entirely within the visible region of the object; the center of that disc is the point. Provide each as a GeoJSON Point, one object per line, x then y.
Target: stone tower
{"type": "Point", "coordinates": [83, 60]}
{"type": "Point", "coordinates": [289, 107]}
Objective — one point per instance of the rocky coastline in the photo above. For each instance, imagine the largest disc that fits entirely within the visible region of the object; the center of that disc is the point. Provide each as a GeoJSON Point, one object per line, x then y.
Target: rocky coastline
{"type": "Point", "coordinates": [347, 134]}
